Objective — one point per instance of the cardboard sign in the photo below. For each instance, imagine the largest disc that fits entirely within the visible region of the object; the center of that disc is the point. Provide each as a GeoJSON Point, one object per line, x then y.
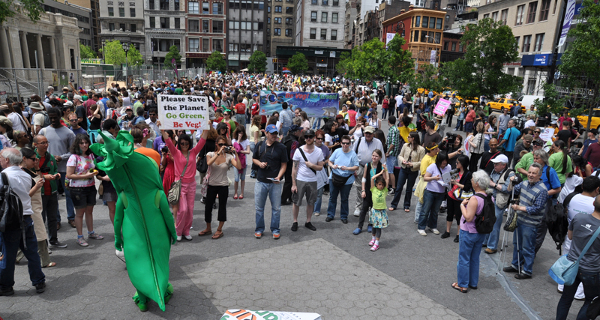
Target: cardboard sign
{"type": "Point", "coordinates": [242, 314]}
{"type": "Point", "coordinates": [441, 107]}
{"type": "Point", "coordinates": [183, 112]}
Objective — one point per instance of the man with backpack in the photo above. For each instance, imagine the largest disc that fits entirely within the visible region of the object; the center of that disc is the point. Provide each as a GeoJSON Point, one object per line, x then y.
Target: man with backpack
{"type": "Point", "coordinates": [20, 235]}
{"type": "Point", "coordinates": [38, 117]}
{"type": "Point", "coordinates": [500, 180]}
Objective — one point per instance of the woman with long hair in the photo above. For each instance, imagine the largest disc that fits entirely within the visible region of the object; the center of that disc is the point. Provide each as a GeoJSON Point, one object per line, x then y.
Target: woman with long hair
{"type": "Point", "coordinates": [476, 146]}
{"type": "Point", "coordinates": [209, 146]}
{"type": "Point", "coordinates": [410, 160]}
{"type": "Point", "coordinates": [81, 172]}
{"type": "Point", "coordinates": [489, 132]}
{"type": "Point", "coordinates": [582, 167]}
{"type": "Point", "coordinates": [241, 144]}
{"type": "Point", "coordinates": [560, 160]}
{"type": "Point", "coordinates": [461, 187]}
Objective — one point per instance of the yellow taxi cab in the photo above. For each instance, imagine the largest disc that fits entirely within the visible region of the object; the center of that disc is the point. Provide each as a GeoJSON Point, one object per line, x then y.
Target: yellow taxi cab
{"type": "Point", "coordinates": [501, 104]}
{"type": "Point", "coordinates": [583, 119]}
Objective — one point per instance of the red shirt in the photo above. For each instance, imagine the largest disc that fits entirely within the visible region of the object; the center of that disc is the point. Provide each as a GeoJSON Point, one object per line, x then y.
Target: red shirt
{"type": "Point", "coordinates": [470, 116]}
{"type": "Point", "coordinates": [240, 108]}
{"type": "Point", "coordinates": [47, 187]}
{"type": "Point", "coordinates": [593, 154]}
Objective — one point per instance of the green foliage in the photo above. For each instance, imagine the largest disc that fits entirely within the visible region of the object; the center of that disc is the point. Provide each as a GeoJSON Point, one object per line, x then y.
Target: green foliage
{"type": "Point", "coordinates": [480, 71]}
{"type": "Point", "coordinates": [113, 53]}
{"type": "Point", "coordinates": [298, 63]}
{"type": "Point", "coordinates": [580, 64]}
{"type": "Point", "coordinates": [86, 52]}
{"type": "Point", "coordinates": [172, 54]}
{"type": "Point", "coordinates": [553, 102]}
{"type": "Point", "coordinates": [427, 78]}
{"type": "Point", "coordinates": [342, 66]}
{"type": "Point", "coordinates": [32, 8]}
{"type": "Point", "coordinates": [258, 62]}
{"type": "Point", "coordinates": [134, 57]}
{"type": "Point", "coordinates": [215, 62]}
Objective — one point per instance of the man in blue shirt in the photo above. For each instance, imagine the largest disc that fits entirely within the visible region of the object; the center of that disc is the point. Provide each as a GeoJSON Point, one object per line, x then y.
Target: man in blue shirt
{"type": "Point", "coordinates": [510, 139]}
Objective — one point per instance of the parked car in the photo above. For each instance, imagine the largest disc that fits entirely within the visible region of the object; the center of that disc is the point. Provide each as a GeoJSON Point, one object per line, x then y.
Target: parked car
{"type": "Point", "coordinates": [583, 120]}
{"type": "Point", "coordinates": [503, 103]}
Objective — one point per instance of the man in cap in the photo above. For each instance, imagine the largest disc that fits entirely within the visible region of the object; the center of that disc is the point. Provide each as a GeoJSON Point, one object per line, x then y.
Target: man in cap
{"type": "Point", "coordinates": [499, 181]}
{"type": "Point", "coordinates": [364, 148]}
{"type": "Point", "coordinates": [291, 143]}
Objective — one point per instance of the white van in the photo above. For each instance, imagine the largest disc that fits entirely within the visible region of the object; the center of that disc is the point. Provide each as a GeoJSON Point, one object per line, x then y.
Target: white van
{"type": "Point", "coordinates": [527, 100]}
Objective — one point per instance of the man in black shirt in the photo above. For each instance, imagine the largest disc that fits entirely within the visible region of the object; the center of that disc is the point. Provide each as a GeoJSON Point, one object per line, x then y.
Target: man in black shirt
{"type": "Point", "coordinates": [566, 134]}
{"type": "Point", "coordinates": [271, 158]}
{"type": "Point", "coordinates": [486, 163]}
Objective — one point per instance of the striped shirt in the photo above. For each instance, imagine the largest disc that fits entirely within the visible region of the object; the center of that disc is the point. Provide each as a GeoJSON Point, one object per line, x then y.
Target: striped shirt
{"type": "Point", "coordinates": [533, 197]}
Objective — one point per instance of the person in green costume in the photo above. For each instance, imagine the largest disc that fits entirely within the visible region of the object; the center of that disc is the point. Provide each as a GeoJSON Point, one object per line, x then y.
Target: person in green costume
{"type": "Point", "coordinates": [144, 226]}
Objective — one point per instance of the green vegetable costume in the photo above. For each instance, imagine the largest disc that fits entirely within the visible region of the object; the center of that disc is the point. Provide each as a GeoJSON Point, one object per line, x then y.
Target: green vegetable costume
{"type": "Point", "coordinates": [144, 217]}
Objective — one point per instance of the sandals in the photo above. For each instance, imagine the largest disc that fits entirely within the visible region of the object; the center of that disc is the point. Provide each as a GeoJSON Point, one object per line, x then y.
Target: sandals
{"type": "Point", "coordinates": [50, 265]}
{"type": "Point", "coordinates": [241, 197]}
{"type": "Point", "coordinates": [95, 236]}
{"type": "Point", "coordinates": [406, 210]}
{"type": "Point", "coordinates": [218, 234]}
{"type": "Point", "coordinates": [391, 209]}
{"type": "Point", "coordinates": [235, 197]}
{"type": "Point", "coordinates": [456, 287]}
{"type": "Point", "coordinates": [205, 232]}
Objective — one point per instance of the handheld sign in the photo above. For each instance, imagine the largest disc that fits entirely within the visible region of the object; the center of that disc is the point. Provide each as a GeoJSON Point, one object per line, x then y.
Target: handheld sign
{"type": "Point", "coordinates": [441, 107]}
{"type": "Point", "coordinates": [183, 112]}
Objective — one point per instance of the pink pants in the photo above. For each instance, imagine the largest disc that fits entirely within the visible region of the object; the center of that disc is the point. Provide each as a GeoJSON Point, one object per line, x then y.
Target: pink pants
{"type": "Point", "coordinates": [185, 215]}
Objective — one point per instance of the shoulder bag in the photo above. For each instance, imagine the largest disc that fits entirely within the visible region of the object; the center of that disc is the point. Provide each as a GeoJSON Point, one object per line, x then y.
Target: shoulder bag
{"type": "Point", "coordinates": [564, 271]}
{"type": "Point", "coordinates": [175, 190]}
{"type": "Point", "coordinates": [305, 159]}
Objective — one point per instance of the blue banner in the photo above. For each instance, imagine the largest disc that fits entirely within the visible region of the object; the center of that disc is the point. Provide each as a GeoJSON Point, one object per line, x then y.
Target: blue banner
{"type": "Point", "coordinates": [313, 103]}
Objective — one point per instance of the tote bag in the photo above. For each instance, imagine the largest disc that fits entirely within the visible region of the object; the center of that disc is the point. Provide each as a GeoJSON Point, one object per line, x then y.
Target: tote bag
{"type": "Point", "coordinates": [564, 271]}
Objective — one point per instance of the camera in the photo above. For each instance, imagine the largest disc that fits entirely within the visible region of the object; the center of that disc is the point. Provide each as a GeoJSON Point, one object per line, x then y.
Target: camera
{"type": "Point", "coordinates": [514, 201]}
{"type": "Point", "coordinates": [517, 180]}
{"type": "Point", "coordinates": [451, 137]}
{"type": "Point", "coordinates": [228, 149]}
{"type": "Point", "coordinates": [454, 174]}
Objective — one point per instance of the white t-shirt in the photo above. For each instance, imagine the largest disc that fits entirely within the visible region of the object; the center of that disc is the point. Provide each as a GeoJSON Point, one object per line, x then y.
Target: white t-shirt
{"type": "Point", "coordinates": [570, 185]}
{"type": "Point", "coordinates": [579, 204]}
{"type": "Point", "coordinates": [529, 123]}
{"type": "Point", "coordinates": [244, 144]}
{"type": "Point", "coordinates": [38, 120]}
{"type": "Point", "coordinates": [304, 173]}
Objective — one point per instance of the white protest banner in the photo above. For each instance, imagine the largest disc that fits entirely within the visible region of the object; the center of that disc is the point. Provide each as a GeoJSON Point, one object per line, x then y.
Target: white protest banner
{"type": "Point", "coordinates": [183, 112]}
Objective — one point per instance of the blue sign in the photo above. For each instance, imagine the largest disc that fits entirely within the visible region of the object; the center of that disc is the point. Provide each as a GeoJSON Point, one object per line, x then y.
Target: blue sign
{"type": "Point", "coordinates": [541, 60]}
{"type": "Point", "coordinates": [578, 8]}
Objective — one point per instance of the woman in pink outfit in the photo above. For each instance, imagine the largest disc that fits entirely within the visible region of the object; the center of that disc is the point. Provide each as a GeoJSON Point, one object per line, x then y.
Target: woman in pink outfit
{"type": "Point", "coordinates": [184, 157]}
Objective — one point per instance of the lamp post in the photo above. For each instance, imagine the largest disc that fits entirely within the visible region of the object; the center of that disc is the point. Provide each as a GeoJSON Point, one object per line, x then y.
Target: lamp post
{"type": "Point", "coordinates": [125, 46]}
{"type": "Point", "coordinates": [103, 53]}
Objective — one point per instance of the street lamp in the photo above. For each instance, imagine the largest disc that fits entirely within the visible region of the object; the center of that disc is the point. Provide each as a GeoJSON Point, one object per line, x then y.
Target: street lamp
{"type": "Point", "coordinates": [103, 53]}
{"type": "Point", "coordinates": [125, 46]}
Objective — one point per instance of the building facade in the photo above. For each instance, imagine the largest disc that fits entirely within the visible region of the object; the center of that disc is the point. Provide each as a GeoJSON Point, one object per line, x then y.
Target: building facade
{"type": "Point", "coordinates": [246, 30]}
{"type": "Point", "coordinates": [93, 5]}
{"type": "Point", "coordinates": [320, 23]}
{"type": "Point", "coordinates": [452, 48]}
{"type": "Point", "coordinates": [82, 14]}
{"type": "Point", "coordinates": [206, 31]}
{"type": "Point", "coordinates": [280, 25]}
{"type": "Point", "coordinates": [534, 25]}
{"type": "Point", "coordinates": [349, 24]}
{"type": "Point", "coordinates": [123, 20]}
{"type": "Point", "coordinates": [164, 26]}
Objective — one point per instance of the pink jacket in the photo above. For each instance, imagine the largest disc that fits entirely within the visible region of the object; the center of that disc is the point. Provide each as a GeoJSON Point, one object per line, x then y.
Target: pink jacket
{"type": "Point", "coordinates": [179, 160]}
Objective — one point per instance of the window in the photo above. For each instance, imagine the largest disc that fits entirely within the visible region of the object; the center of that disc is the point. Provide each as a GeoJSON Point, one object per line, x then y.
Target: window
{"type": "Point", "coordinates": [460, 47]}
{"type": "Point", "coordinates": [487, 15]}
{"type": "Point", "coordinates": [438, 37]}
{"type": "Point", "coordinates": [122, 27]}
{"type": "Point", "coordinates": [325, 2]}
{"type": "Point", "coordinates": [193, 7]}
{"type": "Point", "coordinates": [193, 45]}
{"type": "Point", "coordinates": [218, 45]}
{"type": "Point", "coordinates": [234, 25]}
{"type": "Point", "coordinates": [446, 45]}
{"type": "Point", "coordinates": [504, 16]}
{"type": "Point", "coordinates": [193, 26]}
{"type": "Point", "coordinates": [277, 8]}
{"type": "Point", "coordinates": [289, 10]}
{"type": "Point", "coordinates": [164, 4]}
{"type": "Point", "coordinates": [177, 5]}
{"type": "Point", "coordinates": [314, 2]}
{"type": "Point", "coordinates": [217, 8]}
{"type": "Point", "coordinates": [133, 27]}
{"type": "Point", "coordinates": [205, 26]}
{"type": "Point", "coordinates": [495, 16]}
{"type": "Point", "coordinates": [323, 16]}
{"type": "Point", "coordinates": [432, 23]}
{"type": "Point", "coordinates": [151, 4]}
{"type": "Point", "coordinates": [234, 47]}
{"type": "Point", "coordinates": [334, 17]}
{"type": "Point", "coordinates": [539, 41]}
{"type": "Point", "coordinates": [288, 32]}
{"type": "Point", "coordinates": [268, 21]}
{"type": "Point", "coordinates": [438, 24]}
{"type": "Point", "coordinates": [152, 23]}
{"type": "Point", "coordinates": [453, 46]}
{"type": "Point", "coordinates": [517, 41]}
{"type": "Point", "coordinates": [333, 34]}
{"type": "Point", "coordinates": [288, 21]}
{"type": "Point", "coordinates": [269, 9]}
{"type": "Point", "coordinates": [425, 22]}
{"type": "Point", "coordinates": [277, 31]}
{"type": "Point", "coordinates": [424, 36]}
{"type": "Point", "coordinates": [205, 8]}
{"type": "Point", "coordinates": [430, 37]}
{"type": "Point", "coordinates": [205, 45]}
{"type": "Point", "coordinates": [122, 12]}
{"type": "Point", "coordinates": [111, 11]}
{"type": "Point", "coordinates": [416, 37]}
{"type": "Point", "coordinates": [417, 21]}
{"type": "Point", "coordinates": [245, 47]}
{"type": "Point", "coordinates": [277, 20]}
{"type": "Point", "coordinates": [111, 27]}
{"type": "Point", "coordinates": [335, 3]}
{"type": "Point", "coordinates": [544, 10]}
{"type": "Point", "coordinates": [531, 12]}
{"type": "Point", "coordinates": [313, 33]}
{"type": "Point", "coordinates": [132, 12]}
{"type": "Point", "coordinates": [177, 23]}
{"type": "Point", "coordinates": [323, 34]}
{"type": "Point", "coordinates": [164, 23]}
{"type": "Point", "coordinates": [313, 16]}
{"type": "Point", "coordinates": [520, 10]}
{"type": "Point", "coordinates": [526, 43]}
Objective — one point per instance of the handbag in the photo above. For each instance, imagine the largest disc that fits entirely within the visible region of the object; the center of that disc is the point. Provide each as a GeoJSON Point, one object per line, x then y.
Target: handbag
{"type": "Point", "coordinates": [339, 181]}
{"type": "Point", "coordinates": [420, 189]}
{"type": "Point", "coordinates": [564, 271]}
{"type": "Point", "coordinates": [201, 165]}
{"type": "Point", "coordinates": [511, 221]}
{"type": "Point", "coordinates": [204, 188]}
{"type": "Point", "coordinates": [462, 195]}
{"type": "Point", "coordinates": [175, 189]}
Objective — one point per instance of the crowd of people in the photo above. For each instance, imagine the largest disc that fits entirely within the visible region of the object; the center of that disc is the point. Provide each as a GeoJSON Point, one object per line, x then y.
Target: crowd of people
{"type": "Point", "coordinates": [296, 160]}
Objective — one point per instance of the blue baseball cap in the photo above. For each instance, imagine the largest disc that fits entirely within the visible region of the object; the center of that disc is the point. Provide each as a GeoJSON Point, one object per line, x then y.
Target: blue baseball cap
{"type": "Point", "coordinates": [271, 128]}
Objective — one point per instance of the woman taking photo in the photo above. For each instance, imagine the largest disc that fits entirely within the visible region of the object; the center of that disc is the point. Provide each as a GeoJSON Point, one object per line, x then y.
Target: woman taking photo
{"type": "Point", "coordinates": [184, 157]}
{"type": "Point", "coordinates": [218, 164]}
{"type": "Point", "coordinates": [461, 188]}
{"type": "Point", "coordinates": [81, 172]}
{"type": "Point", "coordinates": [410, 161]}
{"type": "Point", "coordinates": [242, 147]}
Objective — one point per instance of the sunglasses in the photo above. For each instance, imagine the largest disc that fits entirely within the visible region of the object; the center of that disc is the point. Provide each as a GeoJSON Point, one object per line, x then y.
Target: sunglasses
{"type": "Point", "coordinates": [346, 143]}
{"type": "Point", "coordinates": [309, 137]}
{"type": "Point", "coordinates": [274, 132]}
{"type": "Point", "coordinates": [221, 144]}
{"type": "Point", "coordinates": [33, 159]}
{"type": "Point", "coordinates": [537, 132]}
{"type": "Point", "coordinates": [320, 139]}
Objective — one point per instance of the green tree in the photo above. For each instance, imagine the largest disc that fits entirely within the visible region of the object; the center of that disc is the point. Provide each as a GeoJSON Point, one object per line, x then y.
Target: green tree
{"type": "Point", "coordinates": [32, 8]}
{"type": "Point", "coordinates": [428, 78]}
{"type": "Point", "coordinates": [215, 62]}
{"type": "Point", "coordinates": [298, 63]}
{"type": "Point", "coordinates": [134, 57]}
{"type": "Point", "coordinates": [172, 54]}
{"type": "Point", "coordinates": [553, 102]}
{"type": "Point", "coordinates": [86, 52]}
{"type": "Point", "coordinates": [113, 53]}
{"type": "Point", "coordinates": [400, 64]}
{"type": "Point", "coordinates": [258, 62]}
{"type": "Point", "coordinates": [343, 66]}
{"type": "Point", "coordinates": [480, 71]}
{"type": "Point", "coordinates": [580, 64]}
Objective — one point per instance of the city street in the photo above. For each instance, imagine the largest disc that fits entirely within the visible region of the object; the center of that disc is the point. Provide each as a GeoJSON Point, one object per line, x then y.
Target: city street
{"type": "Point", "coordinates": [329, 271]}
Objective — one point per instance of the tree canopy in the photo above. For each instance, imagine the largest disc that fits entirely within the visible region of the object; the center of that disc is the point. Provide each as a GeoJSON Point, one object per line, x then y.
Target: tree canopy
{"type": "Point", "coordinates": [258, 62]}
{"type": "Point", "coordinates": [172, 54]}
{"type": "Point", "coordinates": [427, 78]}
{"type": "Point", "coordinates": [115, 55]}
{"type": "Point", "coordinates": [215, 62]}
{"type": "Point", "coordinates": [86, 52]}
{"type": "Point", "coordinates": [32, 8]}
{"type": "Point", "coordinates": [298, 63]}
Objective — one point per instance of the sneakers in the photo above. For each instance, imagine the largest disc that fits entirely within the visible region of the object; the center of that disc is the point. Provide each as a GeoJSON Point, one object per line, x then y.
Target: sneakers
{"type": "Point", "coordinates": [357, 231]}
{"type": "Point", "coordinates": [490, 251]}
{"type": "Point", "coordinates": [317, 214]}
{"type": "Point", "coordinates": [372, 242]}
{"type": "Point", "coordinates": [40, 287]}
{"type": "Point", "coordinates": [357, 213]}
{"type": "Point", "coordinates": [58, 244]}
{"type": "Point", "coordinates": [81, 242]}
{"type": "Point", "coordinates": [310, 226]}
{"type": "Point", "coordinates": [445, 235]}
{"type": "Point", "coordinates": [295, 226]}
{"type": "Point", "coordinates": [258, 235]}
{"type": "Point", "coordinates": [391, 192]}
{"type": "Point", "coordinates": [8, 292]}
{"type": "Point", "coordinates": [276, 236]}
{"type": "Point", "coordinates": [96, 236]}
{"type": "Point", "coordinates": [522, 276]}
{"type": "Point", "coordinates": [344, 221]}
{"type": "Point", "coordinates": [328, 219]}
{"type": "Point", "coordinates": [422, 232]}
{"type": "Point", "coordinates": [179, 238]}
{"type": "Point", "coordinates": [188, 237]}
{"type": "Point", "coordinates": [375, 247]}
{"type": "Point", "coordinates": [434, 231]}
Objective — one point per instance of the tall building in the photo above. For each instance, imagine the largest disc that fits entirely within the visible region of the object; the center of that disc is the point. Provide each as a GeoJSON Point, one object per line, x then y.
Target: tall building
{"type": "Point", "coordinates": [93, 5]}
{"type": "Point", "coordinates": [246, 31]}
{"type": "Point", "coordinates": [320, 23]}
{"type": "Point", "coordinates": [82, 14]}
{"type": "Point", "coordinates": [164, 27]}
{"type": "Point", "coordinates": [124, 21]}
{"type": "Point", "coordinates": [280, 25]}
{"type": "Point", "coordinates": [349, 21]}
{"type": "Point", "coordinates": [206, 31]}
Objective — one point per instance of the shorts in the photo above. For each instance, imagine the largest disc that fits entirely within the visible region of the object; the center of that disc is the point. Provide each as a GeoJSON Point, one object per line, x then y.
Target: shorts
{"type": "Point", "coordinates": [240, 176]}
{"type": "Point", "coordinates": [305, 188]}
{"type": "Point", "coordinates": [391, 162]}
{"type": "Point", "coordinates": [83, 197]}
{"type": "Point", "coordinates": [110, 196]}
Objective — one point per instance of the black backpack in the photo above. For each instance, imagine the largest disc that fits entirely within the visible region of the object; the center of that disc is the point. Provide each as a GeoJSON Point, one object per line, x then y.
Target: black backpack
{"type": "Point", "coordinates": [558, 222]}
{"type": "Point", "coordinates": [11, 209]}
{"type": "Point", "coordinates": [484, 222]}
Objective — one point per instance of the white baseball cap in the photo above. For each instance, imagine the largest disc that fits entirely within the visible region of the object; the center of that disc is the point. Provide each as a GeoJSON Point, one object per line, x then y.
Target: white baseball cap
{"type": "Point", "coordinates": [500, 159]}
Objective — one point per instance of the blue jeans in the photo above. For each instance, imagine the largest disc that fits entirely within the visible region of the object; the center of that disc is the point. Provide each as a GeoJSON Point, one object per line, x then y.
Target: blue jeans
{"type": "Point", "coordinates": [491, 239]}
{"type": "Point", "coordinates": [486, 145]}
{"type": "Point", "coordinates": [70, 207]}
{"type": "Point", "coordinates": [13, 241]}
{"type": "Point", "coordinates": [317, 208]}
{"type": "Point", "coordinates": [405, 176]}
{"type": "Point", "coordinates": [261, 191]}
{"type": "Point", "coordinates": [469, 250]}
{"type": "Point", "coordinates": [284, 131]}
{"type": "Point", "coordinates": [525, 234]}
{"type": "Point", "coordinates": [252, 171]}
{"type": "Point", "coordinates": [501, 131]}
{"type": "Point", "coordinates": [459, 125]}
{"type": "Point", "coordinates": [317, 123]}
{"type": "Point", "coordinates": [240, 176]}
{"type": "Point", "coordinates": [591, 288]}
{"type": "Point", "coordinates": [432, 201]}
{"type": "Point", "coordinates": [240, 119]}
{"type": "Point", "coordinates": [333, 195]}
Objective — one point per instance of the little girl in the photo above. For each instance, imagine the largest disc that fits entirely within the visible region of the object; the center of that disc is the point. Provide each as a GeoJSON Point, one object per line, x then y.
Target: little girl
{"type": "Point", "coordinates": [379, 216]}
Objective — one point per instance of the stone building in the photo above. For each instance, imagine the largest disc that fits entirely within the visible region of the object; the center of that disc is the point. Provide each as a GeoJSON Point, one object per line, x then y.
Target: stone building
{"type": "Point", "coordinates": [247, 30]}
{"type": "Point", "coordinates": [165, 25]}
{"type": "Point", "coordinates": [349, 24]}
{"type": "Point", "coordinates": [206, 31]}
{"type": "Point", "coordinates": [82, 14]}
{"type": "Point", "coordinates": [280, 23]}
{"type": "Point", "coordinates": [320, 23]}
{"type": "Point", "coordinates": [94, 6]}
{"type": "Point", "coordinates": [123, 20]}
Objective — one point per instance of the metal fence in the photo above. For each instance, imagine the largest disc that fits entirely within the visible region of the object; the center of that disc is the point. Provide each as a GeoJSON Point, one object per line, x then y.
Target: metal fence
{"type": "Point", "coordinates": [19, 84]}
